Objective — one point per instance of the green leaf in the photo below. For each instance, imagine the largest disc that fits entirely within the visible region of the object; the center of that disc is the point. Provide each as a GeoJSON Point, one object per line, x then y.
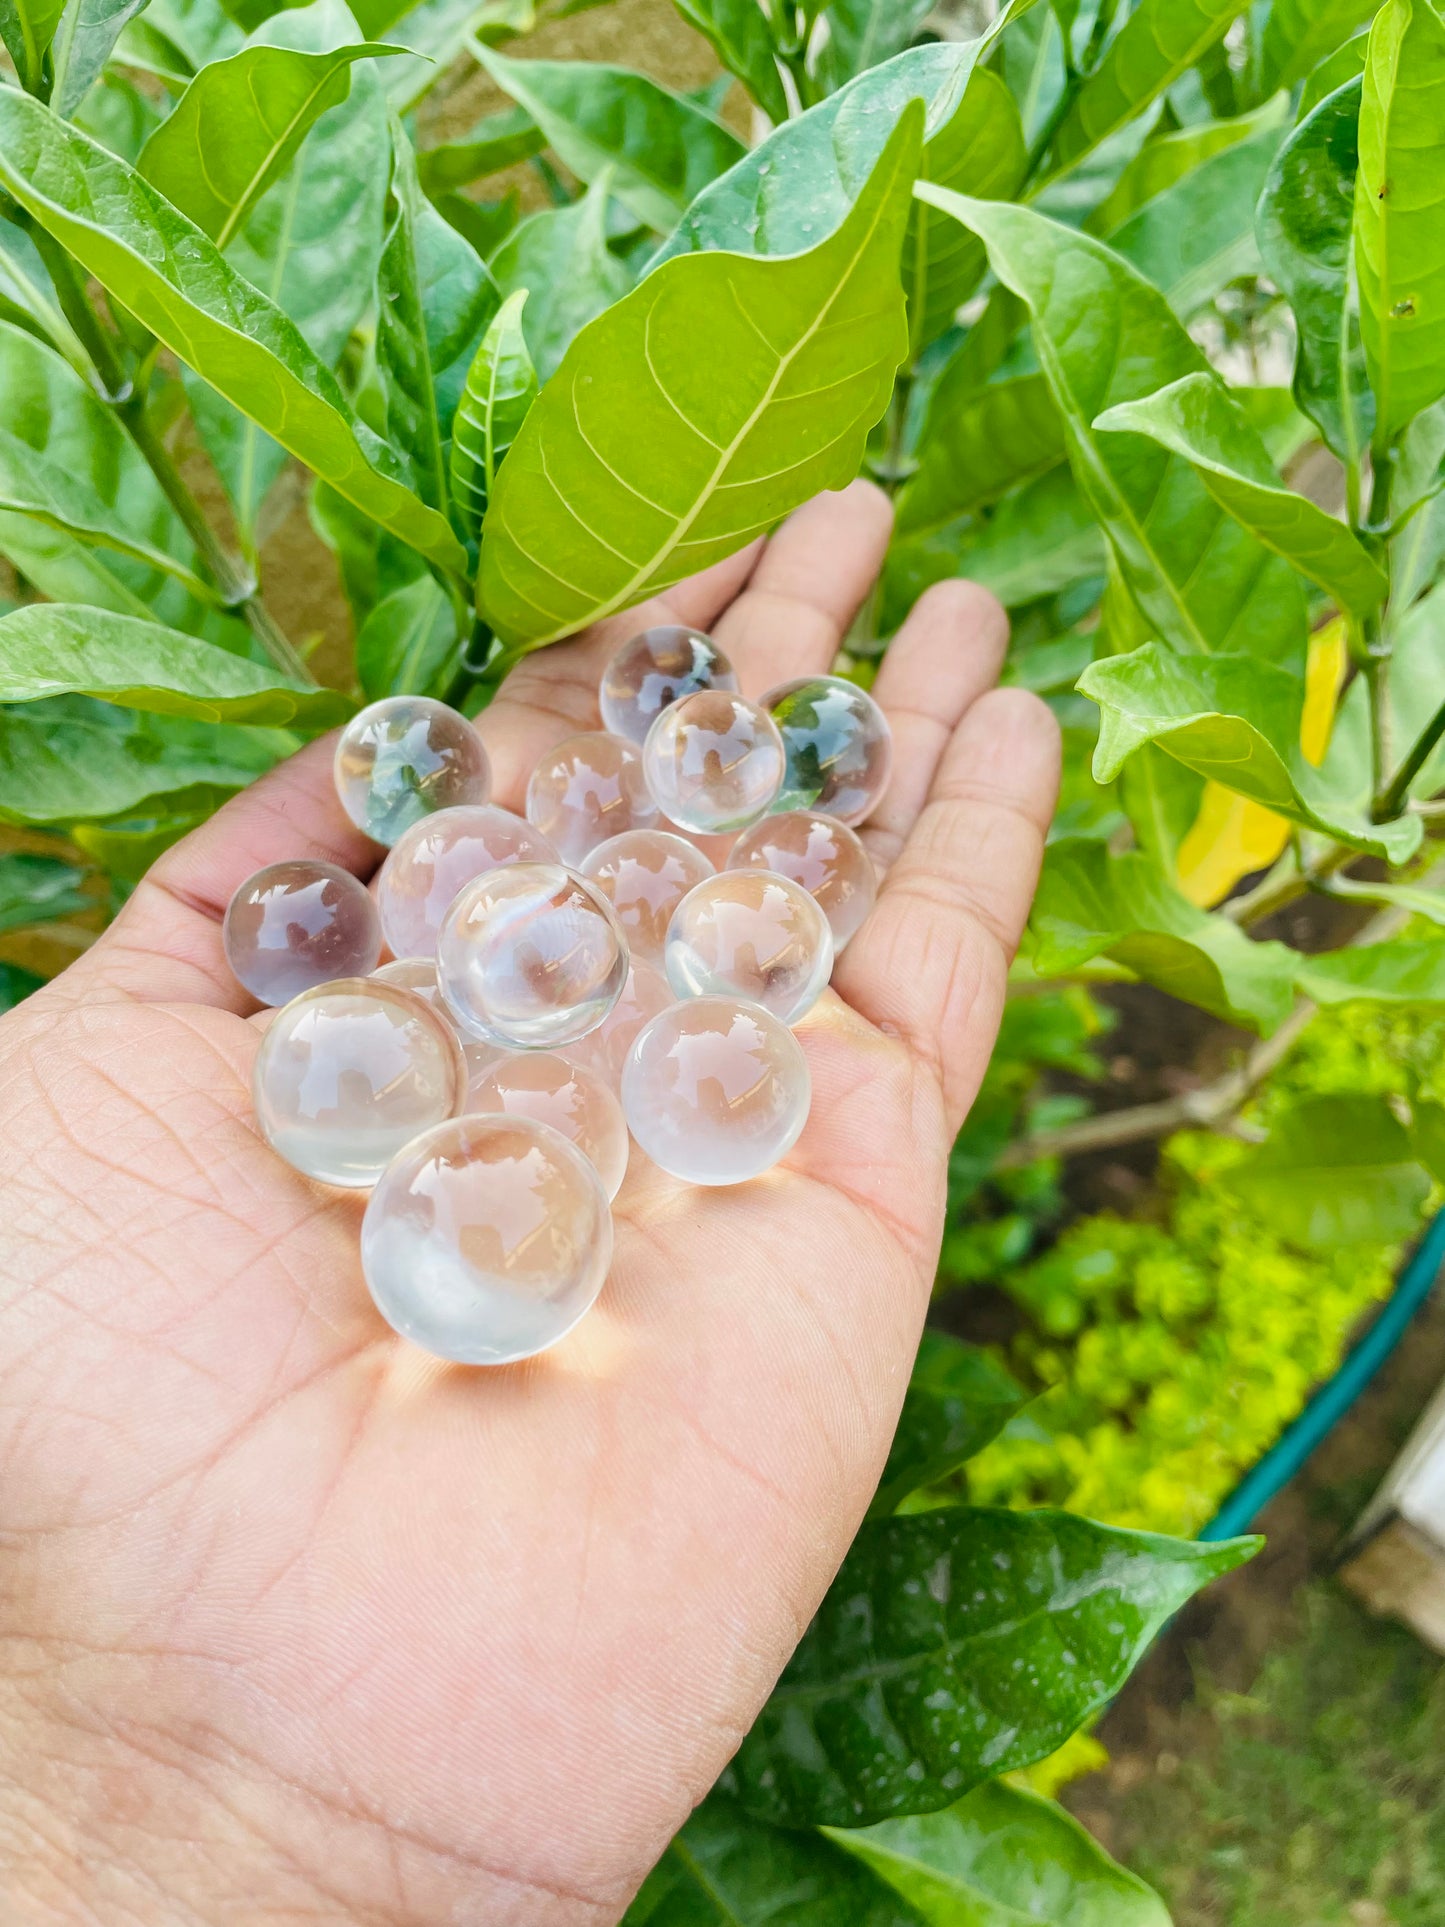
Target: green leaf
{"type": "Point", "coordinates": [1306, 217]}
{"type": "Point", "coordinates": [1195, 418]}
{"type": "Point", "coordinates": [739, 34]}
{"type": "Point", "coordinates": [1161, 799]}
{"type": "Point", "coordinates": [118, 115]}
{"type": "Point", "coordinates": [128, 847]}
{"type": "Point", "coordinates": [979, 443]}
{"type": "Point", "coordinates": [485, 224]}
{"type": "Point", "coordinates": [954, 1646]}
{"type": "Point", "coordinates": [719, 395]}
{"type": "Point", "coordinates": [726, 1869]}
{"type": "Point", "coordinates": [1414, 897]}
{"type": "Point", "coordinates": [408, 644]}
{"type": "Point", "coordinates": [1345, 63]}
{"type": "Point", "coordinates": [1003, 1858]}
{"type": "Point", "coordinates": [69, 759]}
{"type": "Point", "coordinates": [84, 40]}
{"type": "Point", "coordinates": [176, 283]}
{"type": "Point", "coordinates": [501, 388]}
{"type": "Point", "coordinates": [1104, 336]}
{"type": "Point", "coordinates": [27, 27]}
{"type": "Point", "coordinates": [39, 889]}
{"type": "Point", "coordinates": [865, 33]}
{"type": "Point", "coordinates": [1238, 721]}
{"type": "Point", "coordinates": [497, 141]}
{"type": "Point", "coordinates": [1160, 40]}
{"type": "Point", "coordinates": [237, 127]}
{"type": "Point", "coordinates": [1381, 973]}
{"type": "Point", "coordinates": [16, 985]}
{"type": "Point", "coordinates": [1299, 34]}
{"type": "Point", "coordinates": [1399, 229]}
{"type": "Point", "coordinates": [662, 149]}
{"type": "Point", "coordinates": [562, 258]}
{"type": "Point", "coordinates": [1336, 1170]}
{"type": "Point", "coordinates": [27, 296]}
{"type": "Point", "coordinates": [1169, 158]}
{"type": "Point", "coordinates": [1094, 904]}
{"type": "Point", "coordinates": [48, 649]}
{"type": "Point", "coordinates": [957, 1400]}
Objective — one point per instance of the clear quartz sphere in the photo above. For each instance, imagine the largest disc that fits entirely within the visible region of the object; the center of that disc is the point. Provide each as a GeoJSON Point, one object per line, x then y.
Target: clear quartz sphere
{"type": "Point", "coordinates": [714, 762]}
{"type": "Point", "coordinates": [656, 668]}
{"type": "Point", "coordinates": [839, 745]}
{"type": "Point", "coordinates": [716, 1091]}
{"type": "Point", "coordinates": [350, 1072]}
{"type": "Point", "coordinates": [294, 925]}
{"type": "Point", "coordinates": [644, 875]}
{"type": "Point", "coordinates": [569, 1097]}
{"type": "Point", "coordinates": [404, 758]}
{"type": "Point", "coordinates": [419, 975]}
{"type": "Point", "coordinates": [530, 957]}
{"type": "Point", "coordinates": [587, 789]}
{"type": "Point", "coordinates": [645, 995]}
{"type": "Point", "coordinates": [751, 934]}
{"type": "Point", "coordinates": [487, 1239]}
{"type": "Point", "coordinates": [435, 859]}
{"type": "Point", "coordinates": [823, 855]}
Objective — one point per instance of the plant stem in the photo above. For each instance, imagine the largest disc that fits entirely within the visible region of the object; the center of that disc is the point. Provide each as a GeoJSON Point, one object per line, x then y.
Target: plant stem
{"type": "Point", "coordinates": [1394, 797]}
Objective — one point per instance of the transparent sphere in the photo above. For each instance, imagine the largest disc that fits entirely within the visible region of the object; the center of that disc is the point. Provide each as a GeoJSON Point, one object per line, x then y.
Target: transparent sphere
{"type": "Point", "coordinates": [586, 790]}
{"type": "Point", "coordinates": [820, 853]}
{"type": "Point", "coordinates": [751, 934]}
{"type": "Point", "coordinates": [419, 975]}
{"type": "Point", "coordinates": [714, 762]}
{"type": "Point", "coordinates": [487, 1239]}
{"type": "Point", "coordinates": [645, 995]}
{"type": "Point", "coordinates": [404, 758]}
{"type": "Point", "coordinates": [294, 925]}
{"type": "Point", "coordinates": [840, 748]}
{"type": "Point", "coordinates": [657, 668]}
{"type": "Point", "coordinates": [569, 1097]}
{"type": "Point", "coordinates": [644, 875]}
{"type": "Point", "coordinates": [438, 857]}
{"type": "Point", "coordinates": [350, 1072]}
{"type": "Point", "coordinates": [716, 1091]}
{"type": "Point", "coordinates": [530, 957]}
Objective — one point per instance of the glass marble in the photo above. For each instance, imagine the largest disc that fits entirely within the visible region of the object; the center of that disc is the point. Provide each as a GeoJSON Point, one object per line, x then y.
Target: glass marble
{"type": "Point", "coordinates": [487, 1240]}
{"type": "Point", "coordinates": [645, 995]}
{"type": "Point", "coordinates": [716, 1091]}
{"type": "Point", "coordinates": [530, 957]}
{"type": "Point", "coordinates": [657, 668]}
{"type": "Point", "coordinates": [823, 855]}
{"type": "Point", "coordinates": [435, 859]}
{"type": "Point", "coordinates": [751, 934]}
{"type": "Point", "coordinates": [587, 789]}
{"type": "Point", "coordinates": [404, 758]}
{"type": "Point", "coordinates": [350, 1072]}
{"type": "Point", "coordinates": [294, 925]}
{"type": "Point", "coordinates": [419, 975]}
{"type": "Point", "coordinates": [569, 1097]}
{"type": "Point", "coordinates": [714, 762]}
{"type": "Point", "coordinates": [839, 745]}
{"type": "Point", "coordinates": [644, 875]}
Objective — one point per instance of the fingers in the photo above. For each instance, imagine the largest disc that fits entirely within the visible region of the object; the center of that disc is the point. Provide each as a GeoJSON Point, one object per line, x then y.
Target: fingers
{"type": "Point", "coordinates": [165, 946]}
{"type": "Point", "coordinates": [931, 963]}
{"type": "Point", "coordinates": [948, 652]}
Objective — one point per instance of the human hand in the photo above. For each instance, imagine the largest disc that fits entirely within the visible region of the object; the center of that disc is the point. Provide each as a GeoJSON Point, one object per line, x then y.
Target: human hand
{"type": "Point", "coordinates": [302, 1626]}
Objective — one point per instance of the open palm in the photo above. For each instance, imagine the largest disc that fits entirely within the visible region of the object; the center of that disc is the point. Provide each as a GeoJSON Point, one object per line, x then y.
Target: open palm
{"type": "Point", "coordinates": [302, 1626]}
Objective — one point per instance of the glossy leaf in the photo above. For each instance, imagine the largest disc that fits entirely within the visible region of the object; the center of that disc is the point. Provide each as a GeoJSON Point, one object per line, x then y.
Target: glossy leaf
{"type": "Point", "coordinates": [1306, 217]}
{"type": "Point", "coordinates": [1094, 904]}
{"type": "Point", "coordinates": [1336, 1170]}
{"type": "Point", "coordinates": [407, 646]}
{"type": "Point", "coordinates": [1104, 336]}
{"type": "Point", "coordinates": [176, 283]}
{"type": "Point", "coordinates": [1298, 34]}
{"type": "Point", "coordinates": [27, 27]}
{"type": "Point", "coordinates": [662, 149]}
{"type": "Point", "coordinates": [237, 127]}
{"type": "Point", "coordinates": [1399, 228]}
{"type": "Point", "coordinates": [497, 141]}
{"type": "Point", "coordinates": [1167, 159]}
{"type": "Point", "coordinates": [403, 350]}
{"type": "Point", "coordinates": [27, 296]}
{"type": "Point", "coordinates": [979, 443]}
{"type": "Point", "coordinates": [174, 39]}
{"type": "Point", "coordinates": [719, 395]}
{"type": "Point", "coordinates": [953, 1646]}
{"type": "Point", "coordinates": [957, 1400]}
{"type": "Point", "coordinates": [1345, 63]}
{"type": "Point", "coordinates": [1160, 40]}
{"type": "Point", "coordinates": [84, 40]}
{"type": "Point", "coordinates": [1195, 418]}
{"type": "Point", "coordinates": [127, 848]}
{"type": "Point", "coordinates": [562, 258]}
{"type": "Point", "coordinates": [865, 33]}
{"type": "Point", "coordinates": [1003, 1858]}
{"type": "Point", "coordinates": [1381, 973]}
{"type": "Point", "coordinates": [49, 649]}
{"type": "Point", "coordinates": [739, 34]}
{"type": "Point", "coordinates": [1237, 721]}
{"type": "Point", "coordinates": [501, 388]}
{"type": "Point", "coordinates": [38, 889]}
{"type": "Point", "coordinates": [726, 1869]}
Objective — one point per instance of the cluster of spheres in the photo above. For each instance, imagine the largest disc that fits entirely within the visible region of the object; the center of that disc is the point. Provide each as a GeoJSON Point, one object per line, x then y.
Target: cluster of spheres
{"type": "Point", "coordinates": [481, 1037]}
